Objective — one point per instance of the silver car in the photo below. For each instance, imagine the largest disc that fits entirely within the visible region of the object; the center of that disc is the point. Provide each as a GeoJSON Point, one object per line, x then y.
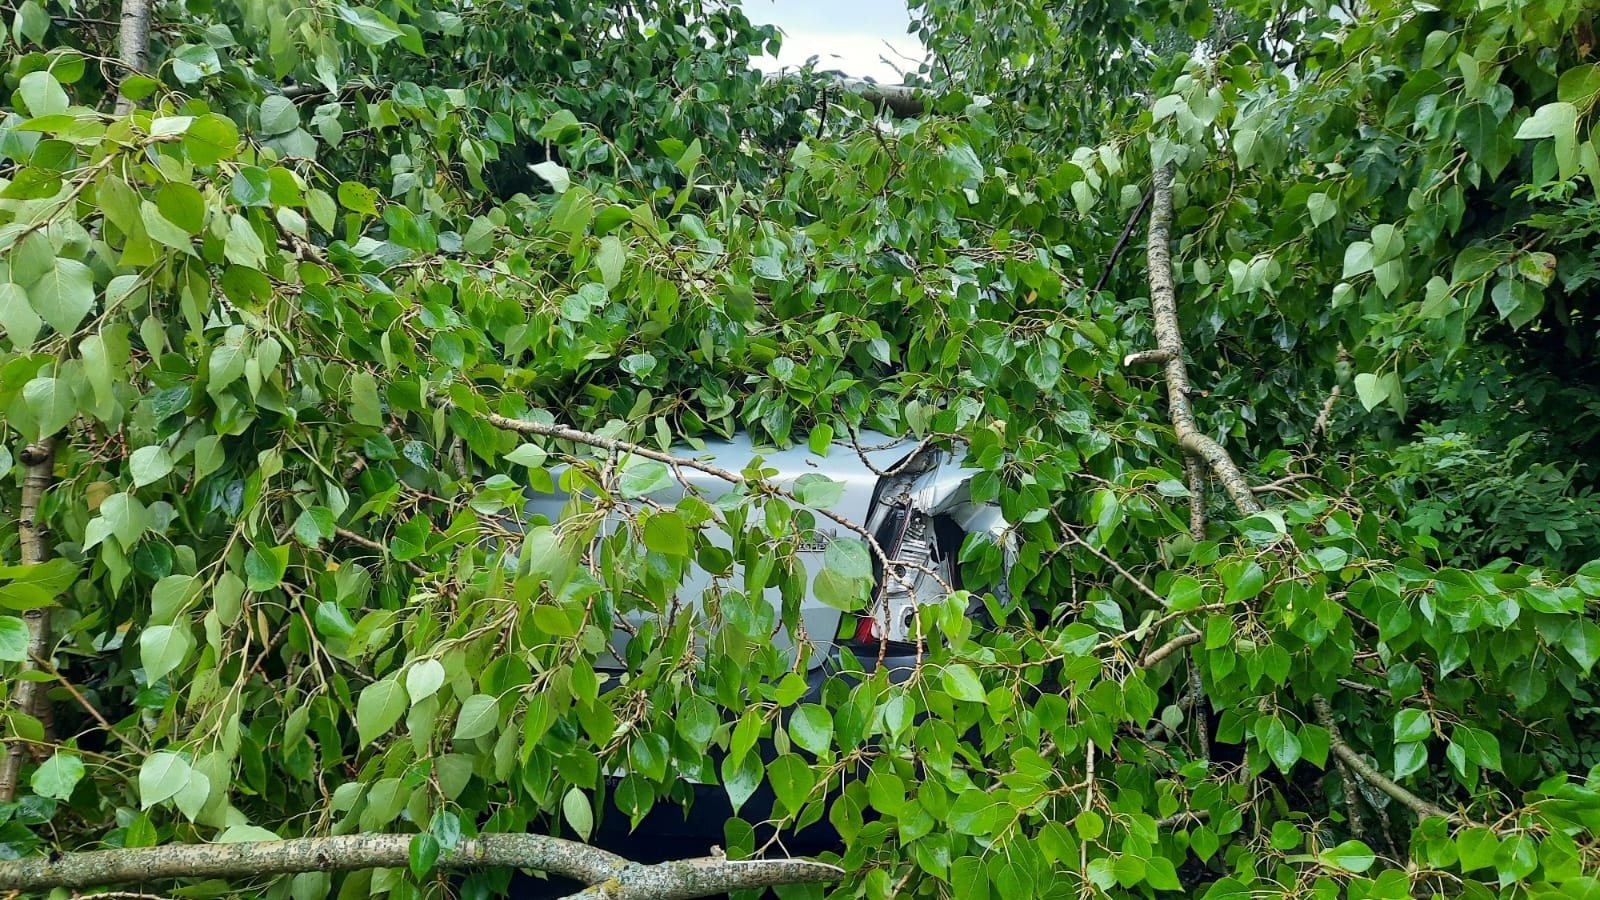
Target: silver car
{"type": "Point", "coordinates": [912, 496]}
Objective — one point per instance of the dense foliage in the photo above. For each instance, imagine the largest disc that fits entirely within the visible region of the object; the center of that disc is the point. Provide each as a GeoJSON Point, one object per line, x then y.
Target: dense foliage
{"type": "Point", "coordinates": [269, 316]}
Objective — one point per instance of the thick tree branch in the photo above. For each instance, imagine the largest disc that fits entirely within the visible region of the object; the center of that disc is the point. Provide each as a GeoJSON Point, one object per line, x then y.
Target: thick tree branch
{"type": "Point", "coordinates": [609, 875]}
{"type": "Point", "coordinates": [901, 100]}
{"type": "Point", "coordinates": [1372, 776]}
{"type": "Point", "coordinates": [1164, 307]}
{"type": "Point", "coordinates": [133, 43]}
{"type": "Point", "coordinates": [30, 696]}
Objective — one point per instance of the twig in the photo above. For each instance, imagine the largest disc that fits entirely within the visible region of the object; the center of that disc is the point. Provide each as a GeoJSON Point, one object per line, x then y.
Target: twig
{"type": "Point", "coordinates": [612, 876]}
{"type": "Point", "coordinates": [40, 460]}
{"type": "Point", "coordinates": [895, 567]}
{"type": "Point", "coordinates": [1122, 242]}
{"type": "Point", "coordinates": [375, 547]}
{"type": "Point", "coordinates": [1372, 776]}
{"type": "Point", "coordinates": [1164, 308]}
{"type": "Point", "coordinates": [88, 707]}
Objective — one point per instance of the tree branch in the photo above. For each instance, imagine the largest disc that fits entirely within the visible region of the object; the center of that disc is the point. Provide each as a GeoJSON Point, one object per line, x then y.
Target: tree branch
{"type": "Point", "coordinates": [1372, 776]}
{"type": "Point", "coordinates": [1164, 308]}
{"type": "Point", "coordinates": [899, 99]}
{"type": "Point", "coordinates": [133, 43]}
{"type": "Point", "coordinates": [678, 463]}
{"type": "Point", "coordinates": [610, 876]}
{"type": "Point", "coordinates": [1169, 648]}
{"type": "Point", "coordinates": [30, 696]}
{"type": "Point", "coordinates": [1122, 242]}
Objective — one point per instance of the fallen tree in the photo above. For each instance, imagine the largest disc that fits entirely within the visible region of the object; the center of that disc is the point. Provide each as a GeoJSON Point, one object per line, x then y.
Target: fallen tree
{"type": "Point", "coordinates": [609, 876]}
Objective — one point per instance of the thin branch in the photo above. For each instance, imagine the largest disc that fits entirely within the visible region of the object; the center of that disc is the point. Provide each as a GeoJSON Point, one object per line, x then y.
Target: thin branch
{"type": "Point", "coordinates": [1122, 242]}
{"type": "Point", "coordinates": [896, 567]}
{"type": "Point", "coordinates": [1164, 308]}
{"type": "Point", "coordinates": [31, 698]}
{"type": "Point", "coordinates": [374, 546]}
{"type": "Point", "coordinates": [611, 876]}
{"type": "Point", "coordinates": [1372, 776]}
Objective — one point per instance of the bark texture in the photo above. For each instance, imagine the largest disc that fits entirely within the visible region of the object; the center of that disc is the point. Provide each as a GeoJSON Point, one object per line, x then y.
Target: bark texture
{"type": "Point", "coordinates": [1169, 339]}
{"type": "Point", "coordinates": [133, 43]}
{"type": "Point", "coordinates": [30, 697]}
{"type": "Point", "coordinates": [609, 876]}
{"type": "Point", "coordinates": [1349, 757]}
{"type": "Point", "coordinates": [901, 100]}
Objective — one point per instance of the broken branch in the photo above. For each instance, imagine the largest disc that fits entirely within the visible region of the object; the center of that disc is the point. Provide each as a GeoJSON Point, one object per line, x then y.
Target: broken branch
{"type": "Point", "coordinates": [1164, 308]}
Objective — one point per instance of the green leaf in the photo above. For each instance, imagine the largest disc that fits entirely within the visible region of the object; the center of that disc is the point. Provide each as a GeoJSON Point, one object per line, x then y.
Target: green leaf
{"type": "Point", "coordinates": [58, 776]}
{"type": "Point", "coordinates": [380, 706]}
{"type": "Point", "coordinates": [1322, 208]}
{"type": "Point", "coordinates": [1551, 120]}
{"type": "Point", "coordinates": [849, 558]}
{"type": "Point", "coordinates": [149, 464]}
{"type": "Point", "coordinates": [411, 539]}
{"type": "Point", "coordinates": [555, 174]}
{"type": "Point", "coordinates": [13, 639]}
{"type": "Point", "coordinates": [529, 455]}
{"type": "Point", "coordinates": [210, 139]}
{"type": "Point", "coordinates": [423, 854]}
{"type": "Point", "coordinates": [163, 648]}
{"type": "Point", "coordinates": [423, 679]}
{"type": "Point", "coordinates": [791, 779]}
{"type": "Point", "coordinates": [251, 185]}
{"type": "Point", "coordinates": [1412, 725]}
{"type": "Point", "coordinates": [1359, 258]}
{"type": "Point", "coordinates": [664, 532]}
{"type": "Point", "coordinates": [63, 295]}
{"type": "Point", "coordinates": [818, 491]}
{"type": "Point", "coordinates": [1242, 581]}
{"type": "Point", "coordinates": [277, 117]}
{"type": "Point", "coordinates": [811, 728]}
{"type": "Point", "coordinates": [1280, 742]}
{"type": "Point", "coordinates": [372, 28]}
{"type": "Point", "coordinates": [643, 477]}
{"type": "Point", "coordinates": [1371, 390]}
{"type": "Point", "coordinates": [51, 403]}
{"type": "Point", "coordinates": [314, 525]}
{"type": "Point", "coordinates": [365, 407]}
{"type": "Point", "coordinates": [162, 775]}
{"type": "Point", "coordinates": [577, 812]}
{"type": "Point", "coordinates": [480, 715]}
{"type": "Point", "coordinates": [1351, 856]}
{"type": "Point", "coordinates": [963, 683]}
{"type": "Point", "coordinates": [20, 323]}
{"type": "Point", "coordinates": [42, 94]}
{"type": "Point", "coordinates": [264, 567]}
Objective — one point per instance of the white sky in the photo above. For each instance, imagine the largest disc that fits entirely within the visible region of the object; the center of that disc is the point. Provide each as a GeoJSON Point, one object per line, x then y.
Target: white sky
{"type": "Point", "coordinates": [848, 35]}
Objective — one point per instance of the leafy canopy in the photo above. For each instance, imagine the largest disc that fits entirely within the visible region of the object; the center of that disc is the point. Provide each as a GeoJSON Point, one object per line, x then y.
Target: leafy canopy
{"type": "Point", "coordinates": [273, 312]}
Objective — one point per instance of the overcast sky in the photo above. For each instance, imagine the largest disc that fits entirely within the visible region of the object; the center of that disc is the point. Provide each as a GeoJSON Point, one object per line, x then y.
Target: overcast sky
{"type": "Point", "coordinates": [848, 35]}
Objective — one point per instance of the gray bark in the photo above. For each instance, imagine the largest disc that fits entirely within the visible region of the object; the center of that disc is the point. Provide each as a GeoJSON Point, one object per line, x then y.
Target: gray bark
{"type": "Point", "coordinates": [1169, 338]}
{"type": "Point", "coordinates": [29, 697]}
{"type": "Point", "coordinates": [608, 875]}
{"type": "Point", "coordinates": [133, 43]}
